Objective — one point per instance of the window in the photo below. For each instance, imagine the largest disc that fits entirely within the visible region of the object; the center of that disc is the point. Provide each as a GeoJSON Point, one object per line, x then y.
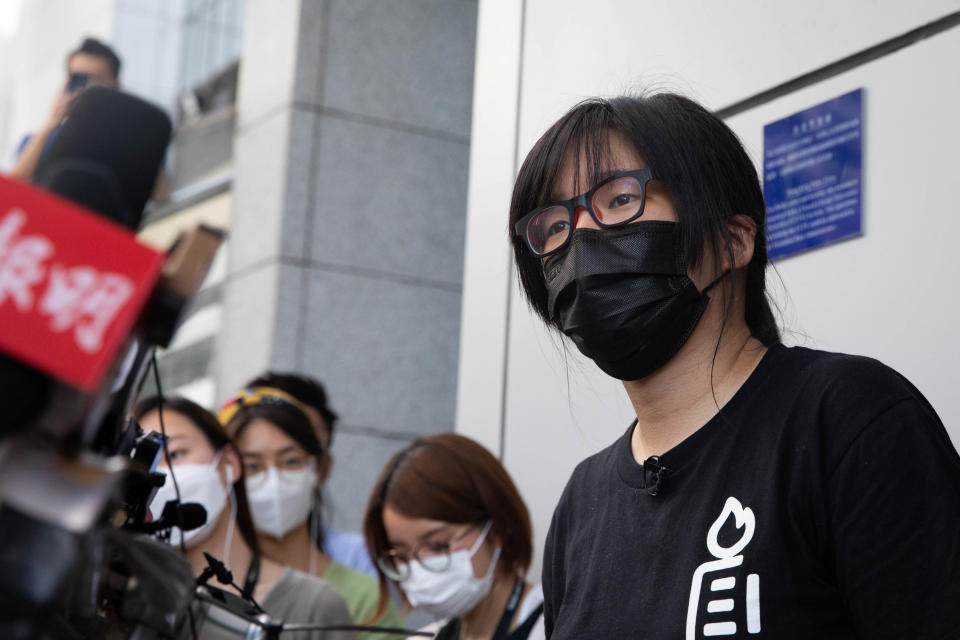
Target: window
{"type": "Point", "coordinates": [212, 39]}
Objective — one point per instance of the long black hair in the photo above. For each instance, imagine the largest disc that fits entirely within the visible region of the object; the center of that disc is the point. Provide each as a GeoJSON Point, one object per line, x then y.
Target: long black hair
{"type": "Point", "coordinates": [701, 161]}
{"type": "Point", "coordinates": [217, 436]}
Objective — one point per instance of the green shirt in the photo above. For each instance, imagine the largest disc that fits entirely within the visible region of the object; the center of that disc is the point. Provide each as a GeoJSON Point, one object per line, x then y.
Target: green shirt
{"type": "Point", "coordinates": [361, 592]}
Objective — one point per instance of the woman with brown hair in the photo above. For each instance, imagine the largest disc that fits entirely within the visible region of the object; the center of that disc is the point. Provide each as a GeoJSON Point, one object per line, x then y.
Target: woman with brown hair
{"type": "Point", "coordinates": [447, 526]}
{"type": "Point", "coordinates": [207, 470]}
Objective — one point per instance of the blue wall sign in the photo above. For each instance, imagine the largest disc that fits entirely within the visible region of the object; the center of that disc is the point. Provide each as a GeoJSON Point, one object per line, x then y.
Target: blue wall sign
{"type": "Point", "coordinates": [812, 179]}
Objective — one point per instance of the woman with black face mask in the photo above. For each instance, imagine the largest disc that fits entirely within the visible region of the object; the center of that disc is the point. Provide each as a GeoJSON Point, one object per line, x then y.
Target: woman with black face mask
{"type": "Point", "coordinates": [762, 490]}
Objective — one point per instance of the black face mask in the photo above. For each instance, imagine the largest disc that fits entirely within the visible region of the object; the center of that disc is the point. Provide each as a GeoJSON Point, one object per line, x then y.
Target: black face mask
{"type": "Point", "coordinates": [624, 297]}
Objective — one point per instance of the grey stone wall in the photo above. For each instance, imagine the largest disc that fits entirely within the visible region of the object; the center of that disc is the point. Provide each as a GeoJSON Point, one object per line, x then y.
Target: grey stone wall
{"type": "Point", "coordinates": [350, 180]}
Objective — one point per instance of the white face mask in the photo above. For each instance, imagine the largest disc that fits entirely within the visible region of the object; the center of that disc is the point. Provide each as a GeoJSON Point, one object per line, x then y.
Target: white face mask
{"type": "Point", "coordinates": [198, 483]}
{"type": "Point", "coordinates": [455, 591]}
{"type": "Point", "coordinates": [281, 500]}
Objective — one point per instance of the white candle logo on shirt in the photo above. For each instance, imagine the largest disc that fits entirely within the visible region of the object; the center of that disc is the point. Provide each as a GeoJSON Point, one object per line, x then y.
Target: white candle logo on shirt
{"type": "Point", "coordinates": [722, 586]}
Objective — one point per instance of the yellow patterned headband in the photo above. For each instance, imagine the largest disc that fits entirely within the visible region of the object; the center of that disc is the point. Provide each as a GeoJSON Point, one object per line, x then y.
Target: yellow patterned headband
{"type": "Point", "coordinates": [254, 396]}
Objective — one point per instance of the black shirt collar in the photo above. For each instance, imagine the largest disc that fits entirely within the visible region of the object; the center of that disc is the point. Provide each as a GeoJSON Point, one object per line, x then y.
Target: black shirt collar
{"type": "Point", "coordinates": [677, 458]}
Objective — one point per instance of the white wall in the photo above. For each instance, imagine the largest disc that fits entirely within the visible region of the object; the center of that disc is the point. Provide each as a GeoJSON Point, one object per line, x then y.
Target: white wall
{"type": "Point", "coordinates": [890, 293]}
{"type": "Point", "coordinates": [146, 34]}
{"type": "Point", "coordinates": [6, 91]}
{"type": "Point", "coordinates": [887, 294]}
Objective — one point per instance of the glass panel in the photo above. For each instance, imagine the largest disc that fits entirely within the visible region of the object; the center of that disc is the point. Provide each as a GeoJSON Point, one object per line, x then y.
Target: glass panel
{"type": "Point", "coordinates": [213, 38]}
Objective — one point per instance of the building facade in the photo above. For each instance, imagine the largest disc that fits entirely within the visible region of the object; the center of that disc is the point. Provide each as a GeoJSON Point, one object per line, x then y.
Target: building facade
{"type": "Point", "coordinates": [330, 138]}
{"type": "Point", "coordinates": [362, 156]}
{"type": "Point", "coordinates": [883, 294]}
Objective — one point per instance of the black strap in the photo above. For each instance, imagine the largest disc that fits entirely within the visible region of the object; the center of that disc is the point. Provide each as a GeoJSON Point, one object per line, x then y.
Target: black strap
{"type": "Point", "coordinates": [523, 631]}
{"type": "Point", "coordinates": [503, 629]}
{"type": "Point", "coordinates": [449, 631]}
{"type": "Point", "coordinates": [253, 576]}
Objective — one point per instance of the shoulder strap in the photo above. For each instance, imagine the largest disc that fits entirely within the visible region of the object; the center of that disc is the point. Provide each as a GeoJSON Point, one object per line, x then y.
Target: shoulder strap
{"type": "Point", "coordinates": [503, 628]}
{"type": "Point", "coordinates": [523, 631]}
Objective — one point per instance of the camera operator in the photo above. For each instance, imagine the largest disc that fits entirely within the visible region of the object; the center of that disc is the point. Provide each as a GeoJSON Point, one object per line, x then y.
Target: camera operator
{"type": "Point", "coordinates": [93, 62]}
{"type": "Point", "coordinates": [208, 471]}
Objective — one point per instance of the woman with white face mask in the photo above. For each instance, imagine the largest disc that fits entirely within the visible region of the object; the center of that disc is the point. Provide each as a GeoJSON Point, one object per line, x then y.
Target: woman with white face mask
{"type": "Point", "coordinates": [208, 472]}
{"type": "Point", "coordinates": [448, 527]}
{"type": "Point", "coordinates": [281, 456]}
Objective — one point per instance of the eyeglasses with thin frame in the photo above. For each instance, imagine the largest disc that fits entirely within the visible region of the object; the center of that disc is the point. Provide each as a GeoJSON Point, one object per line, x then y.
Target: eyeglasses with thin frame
{"type": "Point", "coordinates": [615, 201]}
{"type": "Point", "coordinates": [432, 556]}
{"type": "Point", "coordinates": [288, 467]}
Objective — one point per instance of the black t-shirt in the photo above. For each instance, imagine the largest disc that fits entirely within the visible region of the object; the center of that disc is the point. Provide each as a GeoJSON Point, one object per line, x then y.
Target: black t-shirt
{"type": "Point", "coordinates": [822, 502]}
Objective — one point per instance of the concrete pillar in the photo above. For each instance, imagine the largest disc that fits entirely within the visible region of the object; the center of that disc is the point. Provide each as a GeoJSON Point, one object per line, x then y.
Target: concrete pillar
{"type": "Point", "coordinates": [350, 177]}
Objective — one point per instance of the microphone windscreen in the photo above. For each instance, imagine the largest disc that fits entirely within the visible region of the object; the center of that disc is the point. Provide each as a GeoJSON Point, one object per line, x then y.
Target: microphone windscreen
{"type": "Point", "coordinates": [192, 516]}
{"type": "Point", "coordinates": [107, 154]}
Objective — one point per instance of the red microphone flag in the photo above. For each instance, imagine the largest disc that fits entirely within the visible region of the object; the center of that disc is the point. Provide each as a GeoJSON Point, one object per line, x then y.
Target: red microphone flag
{"type": "Point", "coordinates": [71, 284]}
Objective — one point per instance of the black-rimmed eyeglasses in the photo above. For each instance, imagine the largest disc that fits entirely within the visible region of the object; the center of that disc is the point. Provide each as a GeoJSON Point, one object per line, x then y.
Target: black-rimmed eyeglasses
{"type": "Point", "coordinates": [615, 201]}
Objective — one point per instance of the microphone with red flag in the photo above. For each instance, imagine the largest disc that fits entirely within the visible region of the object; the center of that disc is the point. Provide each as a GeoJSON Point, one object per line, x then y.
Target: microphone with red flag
{"type": "Point", "coordinates": [82, 307]}
{"type": "Point", "coordinates": [66, 291]}
{"type": "Point", "coordinates": [72, 284]}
